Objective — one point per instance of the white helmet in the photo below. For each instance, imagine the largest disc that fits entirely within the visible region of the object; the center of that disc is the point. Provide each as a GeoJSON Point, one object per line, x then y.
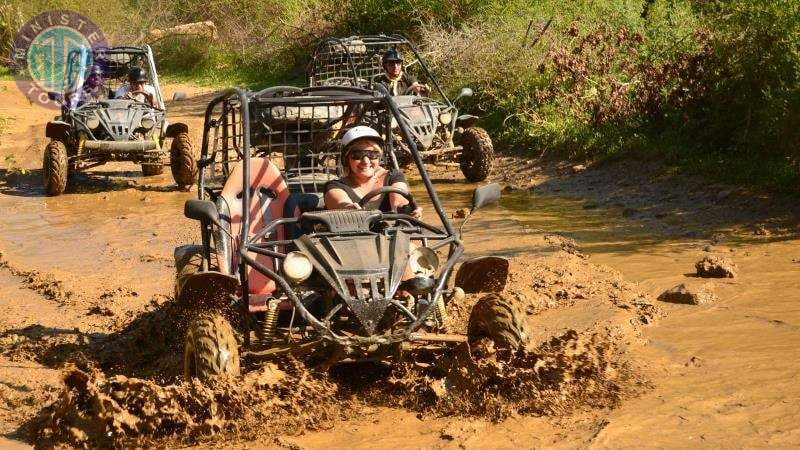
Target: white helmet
{"type": "Point", "coordinates": [361, 132]}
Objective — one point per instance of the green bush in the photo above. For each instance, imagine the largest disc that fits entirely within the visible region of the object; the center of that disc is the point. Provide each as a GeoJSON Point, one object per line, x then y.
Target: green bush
{"type": "Point", "coordinates": [708, 85]}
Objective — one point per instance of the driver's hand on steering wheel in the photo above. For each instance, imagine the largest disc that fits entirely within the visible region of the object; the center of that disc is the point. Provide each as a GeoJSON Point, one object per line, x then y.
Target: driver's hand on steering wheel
{"type": "Point", "coordinates": [417, 213]}
{"type": "Point", "coordinates": [418, 88]}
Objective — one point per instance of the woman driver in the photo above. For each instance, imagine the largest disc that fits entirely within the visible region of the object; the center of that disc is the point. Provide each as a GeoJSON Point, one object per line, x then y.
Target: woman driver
{"type": "Point", "coordinates": [362, 151]}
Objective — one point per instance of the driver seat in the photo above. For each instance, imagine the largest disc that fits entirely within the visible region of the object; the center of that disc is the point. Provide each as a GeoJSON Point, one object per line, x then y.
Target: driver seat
{"type": "Point", "coordinates": [268, 197]}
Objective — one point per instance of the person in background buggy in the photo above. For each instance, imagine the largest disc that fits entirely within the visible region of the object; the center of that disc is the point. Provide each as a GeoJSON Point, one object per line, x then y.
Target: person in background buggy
{"type": "Point", "coordinates": [93, 89]}
{"type": "Point", "coordinates": [396, 80]}
{"type": "Point", "coordinates": [137, 88]}
{"type": "Point", "coordinates": [362, 151]}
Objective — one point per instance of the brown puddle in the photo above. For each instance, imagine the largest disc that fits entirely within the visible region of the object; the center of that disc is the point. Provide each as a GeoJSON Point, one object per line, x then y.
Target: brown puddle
{"type": "Point", "coordinates": [724, 374]}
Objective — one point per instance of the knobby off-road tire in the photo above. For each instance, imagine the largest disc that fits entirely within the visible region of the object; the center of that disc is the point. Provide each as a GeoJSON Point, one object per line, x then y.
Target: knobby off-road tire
{"type": "Point", "coordinates": [54, 168]}
{"type": "Point", "coordinates": [500, 320]}
{"type": "Point", "coordinates": [477, 154]}
{"type": "Point", "coordinates": [188, 263]}
{"type": "Point", "coordinates": [182, 160]}
{"type": "Point", "coordinates": [211, 348]}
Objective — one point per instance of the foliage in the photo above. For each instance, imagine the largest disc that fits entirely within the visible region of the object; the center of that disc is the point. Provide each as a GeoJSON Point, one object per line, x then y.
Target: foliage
{"type": "Point", "coordinates": [707, 84]}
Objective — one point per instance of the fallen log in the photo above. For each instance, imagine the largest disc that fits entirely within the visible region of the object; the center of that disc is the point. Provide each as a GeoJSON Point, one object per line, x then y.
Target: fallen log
{"type": "Point", "coordinates": [205, 29]}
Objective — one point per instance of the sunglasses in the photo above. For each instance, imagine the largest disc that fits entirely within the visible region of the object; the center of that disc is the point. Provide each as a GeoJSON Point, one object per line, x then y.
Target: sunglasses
{"type": "Point", "coordinates": [358, 155]}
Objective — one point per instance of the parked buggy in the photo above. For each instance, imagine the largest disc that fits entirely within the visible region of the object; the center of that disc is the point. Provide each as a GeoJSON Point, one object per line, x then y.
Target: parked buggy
{"type": "Point", "coordinates": [94, 127]}
{"type": "Point", "coordinates": [276, 273]}
{"type": "Point", "coordinates": [442, 136]}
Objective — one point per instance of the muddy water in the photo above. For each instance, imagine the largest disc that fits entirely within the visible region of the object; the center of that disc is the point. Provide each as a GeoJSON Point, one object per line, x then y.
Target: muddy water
{"type": "Point", "coordinates": [725, 374]}
{"type": "Point", "coordinates": [722, 375]}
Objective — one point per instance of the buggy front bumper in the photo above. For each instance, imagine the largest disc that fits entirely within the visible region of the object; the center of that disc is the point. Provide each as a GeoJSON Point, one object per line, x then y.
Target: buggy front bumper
{"type": "Point", "coordinates": [116, 146]}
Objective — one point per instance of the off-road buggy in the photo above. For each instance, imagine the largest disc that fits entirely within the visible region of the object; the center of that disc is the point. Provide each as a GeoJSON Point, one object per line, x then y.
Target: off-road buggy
{"type": "Point", "coordinates": [91, 131]}
{"type": "Point", "coordinates": [442, 136]}
{"type": "Point", "coordinates": [277, 273]}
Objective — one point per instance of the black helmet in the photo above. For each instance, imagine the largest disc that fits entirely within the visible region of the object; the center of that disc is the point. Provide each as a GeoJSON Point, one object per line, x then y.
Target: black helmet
{"type": "Point", "coordinates": [137, 74]}
{"type": "Point", "coordinates": [392, 55]}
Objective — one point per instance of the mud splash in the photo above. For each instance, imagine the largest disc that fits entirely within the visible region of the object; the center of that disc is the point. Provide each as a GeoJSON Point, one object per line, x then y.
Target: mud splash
{"type": "Point", "coordinates": [569, 372]}
{"type": "Point", "coordinates": [95, 410]}
{"type": "Point", "coordinates": [563, 370]}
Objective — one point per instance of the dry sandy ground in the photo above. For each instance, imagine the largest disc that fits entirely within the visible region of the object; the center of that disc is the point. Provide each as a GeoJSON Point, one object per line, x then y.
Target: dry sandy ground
{"type": "Point", "coordinates": [86, 279]}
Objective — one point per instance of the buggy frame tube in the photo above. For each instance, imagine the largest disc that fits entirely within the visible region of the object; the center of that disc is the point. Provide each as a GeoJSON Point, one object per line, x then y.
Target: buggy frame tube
{"type": "Point", "coordinates": [248, 244]}
{"type": "Point", "coordinates": [437, 205]}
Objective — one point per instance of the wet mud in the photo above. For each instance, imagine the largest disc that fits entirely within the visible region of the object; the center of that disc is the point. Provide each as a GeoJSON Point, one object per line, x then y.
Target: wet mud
{"type": "Point", "coordinates": [91, 340]}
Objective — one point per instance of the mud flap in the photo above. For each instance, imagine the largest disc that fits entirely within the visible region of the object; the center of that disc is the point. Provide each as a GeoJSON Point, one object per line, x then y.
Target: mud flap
{"type": "Point", "coordinates": [483, 274]}
{"type": "Point", "coordinates": [206, 289]}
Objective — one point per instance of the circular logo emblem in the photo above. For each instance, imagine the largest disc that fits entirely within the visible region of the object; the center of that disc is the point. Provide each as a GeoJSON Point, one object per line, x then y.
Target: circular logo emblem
{"type": "Point", "coordinates": [53, 55]}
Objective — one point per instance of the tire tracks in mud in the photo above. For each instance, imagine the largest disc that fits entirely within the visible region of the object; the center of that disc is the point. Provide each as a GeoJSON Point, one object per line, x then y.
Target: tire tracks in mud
{"type": "Point", "coordinates": [120, 396]}
{"type": "Point", "coordinates": [42, 283]}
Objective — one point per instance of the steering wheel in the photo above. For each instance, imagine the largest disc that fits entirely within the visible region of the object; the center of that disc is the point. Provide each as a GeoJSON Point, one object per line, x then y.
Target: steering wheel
{"type": "Point", "coordinates": [423, 93]}
{"type": "Point", "coordinates": [405, 209]}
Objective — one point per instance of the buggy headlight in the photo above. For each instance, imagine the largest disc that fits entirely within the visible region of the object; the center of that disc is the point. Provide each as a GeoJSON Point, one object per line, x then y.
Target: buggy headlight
{"type": "Point", "coordinates": [423, 262]}
{"type": "Point", "coordinates": [148, 123]}
{"type": "Point", "coordinates": [297, 267]}
{"type": "Point", "coordinates": [445, 118]}
{"type": "Point", "coordinates": [92, 122]}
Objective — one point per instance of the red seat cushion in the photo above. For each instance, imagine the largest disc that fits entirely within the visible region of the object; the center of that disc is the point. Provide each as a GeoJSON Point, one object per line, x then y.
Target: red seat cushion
{"type": "Point", "coordinates": [263, 209]}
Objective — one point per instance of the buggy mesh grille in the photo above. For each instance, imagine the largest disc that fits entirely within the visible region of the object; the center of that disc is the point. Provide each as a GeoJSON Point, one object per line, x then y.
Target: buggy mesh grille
{"type": "Point", "coordinates": [336, 61]}
{"type": "Point", "coordinates": [299, 131]}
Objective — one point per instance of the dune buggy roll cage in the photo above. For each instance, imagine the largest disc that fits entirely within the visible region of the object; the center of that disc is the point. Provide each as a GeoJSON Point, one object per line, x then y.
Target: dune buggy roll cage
{"type": "Point", "coordinates": [327, 62]}
{"type": "Point", "coordinates": [238, 118]}
{"type": "Point", "coordinates": [107, 57]}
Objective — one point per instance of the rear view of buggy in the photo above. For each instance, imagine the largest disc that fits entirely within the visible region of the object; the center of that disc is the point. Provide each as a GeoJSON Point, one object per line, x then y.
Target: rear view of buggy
{"type": "Point", "coordinates": [95, 127]}
{"type": "Point", "coordinates": [440, 134]}
{"type": "Point", "coordinates": [276, 273]}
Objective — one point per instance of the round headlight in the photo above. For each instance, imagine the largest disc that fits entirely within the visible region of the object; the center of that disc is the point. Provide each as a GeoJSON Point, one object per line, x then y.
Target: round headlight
{"type": "Point", "coordinates": [148, 123]}
{"type": "Point", "coordinates": [92, 122]}
{"type": "Point", "coordinates": [445, 118]}
{"type": "Point", "coordinates": [297, 267]}
{"type": "Point", "coordinates": [423, 262]}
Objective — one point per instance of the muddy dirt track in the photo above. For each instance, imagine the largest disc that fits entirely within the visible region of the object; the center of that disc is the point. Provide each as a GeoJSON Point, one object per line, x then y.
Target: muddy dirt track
{"type": "Point", "coordinates": [86, 291]}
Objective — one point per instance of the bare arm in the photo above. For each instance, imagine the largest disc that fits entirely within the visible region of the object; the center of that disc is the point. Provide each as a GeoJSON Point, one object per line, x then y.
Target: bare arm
{"type": "Point", "coordinates": [338, 199]}
{"type": "Point", "coordinates": [397, 200]}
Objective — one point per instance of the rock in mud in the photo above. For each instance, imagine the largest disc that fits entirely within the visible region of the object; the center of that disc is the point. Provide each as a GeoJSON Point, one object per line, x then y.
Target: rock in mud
{"type": "Point", "coordinates": [578, 168]}
{"type": "Point", "coordinates": [689, 295]}
{"type": "Point", "coordinates": [714, 266]}
{"type": "Point", "coordinates": [461, 213]}
{"type": "Point", "coordinates": [761, 230]}
{"type": "Point", "coordinates": [722, 195]}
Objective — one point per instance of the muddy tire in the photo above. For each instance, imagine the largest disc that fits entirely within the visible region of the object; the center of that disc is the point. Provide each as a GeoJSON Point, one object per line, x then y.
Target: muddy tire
{"type": "Point", "coordinates": [188, 261]}
{"type": "Point", "coordinates": [211, 349]}
{"type": "Point", "coordinates": [182, 160]}
{"type": "Point", "coordinates": [500, 320]}
{"type": "Point", "coordinates": [477, 154]}
{"type": "Point", "coordinates": [54, 168]}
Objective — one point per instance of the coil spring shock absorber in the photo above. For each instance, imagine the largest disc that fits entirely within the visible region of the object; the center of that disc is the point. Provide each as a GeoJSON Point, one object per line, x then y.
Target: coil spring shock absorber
{"type": "Point", "coordinates": [440, 313]}
{"type": "Point", "coordinates": [271, 319]}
